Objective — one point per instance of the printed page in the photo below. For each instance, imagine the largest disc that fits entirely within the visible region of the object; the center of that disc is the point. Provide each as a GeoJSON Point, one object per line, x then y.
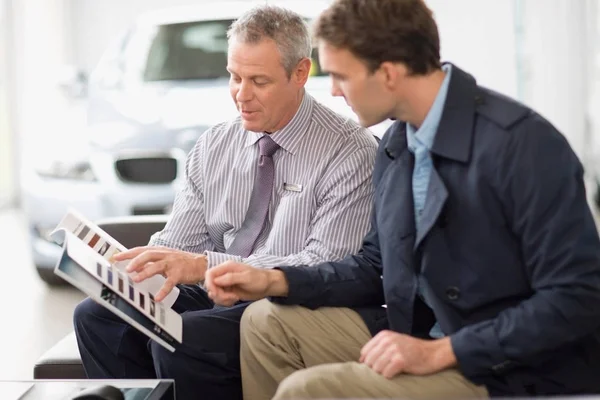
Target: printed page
{"type": "Point", "coordinates": [73, 273]}
{"type": "Point", "coordinates": [118, 289]}
{"type": "Point", "coordinates": [106, 246]}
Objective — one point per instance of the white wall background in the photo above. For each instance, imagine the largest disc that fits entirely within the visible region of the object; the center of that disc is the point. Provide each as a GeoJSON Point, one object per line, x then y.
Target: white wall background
{"type": "Point", "coordinates": [557, 55]}
{"type": "Point", "coordinates": [479, 36]}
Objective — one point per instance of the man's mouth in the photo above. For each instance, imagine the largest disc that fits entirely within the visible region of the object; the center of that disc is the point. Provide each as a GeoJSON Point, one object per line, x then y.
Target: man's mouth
{"type": "Point", "coordinates": [247, 113]}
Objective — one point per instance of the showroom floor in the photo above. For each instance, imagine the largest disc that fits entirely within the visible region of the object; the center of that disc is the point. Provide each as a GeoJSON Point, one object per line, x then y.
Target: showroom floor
{"type": "Point", "coordinates": [34, 317]}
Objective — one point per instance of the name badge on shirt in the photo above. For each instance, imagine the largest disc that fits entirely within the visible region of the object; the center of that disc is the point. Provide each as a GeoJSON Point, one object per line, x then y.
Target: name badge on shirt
{"type": "Point", "coordinates": [292, 187]}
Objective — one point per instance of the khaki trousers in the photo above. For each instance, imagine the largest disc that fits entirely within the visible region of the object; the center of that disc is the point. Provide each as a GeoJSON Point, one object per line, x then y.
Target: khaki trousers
{"type": "Point", "coordinates": [291, 352]}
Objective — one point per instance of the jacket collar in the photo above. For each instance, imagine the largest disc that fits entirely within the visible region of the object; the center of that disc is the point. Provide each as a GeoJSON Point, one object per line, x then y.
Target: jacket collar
{"type": "Point", "coordinates": [455, 131]}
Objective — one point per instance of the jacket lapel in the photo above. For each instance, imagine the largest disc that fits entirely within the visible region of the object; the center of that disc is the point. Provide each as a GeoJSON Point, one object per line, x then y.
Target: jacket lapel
{"type": "Point", "coordinates": [396, 209]}
{"type": "Point", "coordinates": [452, 141]}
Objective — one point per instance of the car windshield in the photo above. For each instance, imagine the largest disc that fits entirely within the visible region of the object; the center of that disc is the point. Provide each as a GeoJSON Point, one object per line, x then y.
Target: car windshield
{"type": "Point", "coordinates": [192, 50]}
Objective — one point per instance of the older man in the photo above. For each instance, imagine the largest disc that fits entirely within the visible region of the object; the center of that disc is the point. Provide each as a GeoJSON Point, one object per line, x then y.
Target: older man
{"type": "Point", "coordinates": [287, 182]}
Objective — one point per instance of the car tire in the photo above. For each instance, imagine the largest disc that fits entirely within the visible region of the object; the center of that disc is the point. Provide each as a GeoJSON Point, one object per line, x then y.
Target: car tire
{"type": "Point", "coordinates": [49, 277]}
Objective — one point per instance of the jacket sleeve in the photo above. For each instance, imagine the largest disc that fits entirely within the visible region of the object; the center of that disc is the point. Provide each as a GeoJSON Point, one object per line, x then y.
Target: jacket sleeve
{"type": "Point", "coordinates": [540, 183]}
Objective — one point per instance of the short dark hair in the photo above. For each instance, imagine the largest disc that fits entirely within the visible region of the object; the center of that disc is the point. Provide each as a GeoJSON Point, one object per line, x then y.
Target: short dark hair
{"type": "Point", "coordinates": [383, 30]}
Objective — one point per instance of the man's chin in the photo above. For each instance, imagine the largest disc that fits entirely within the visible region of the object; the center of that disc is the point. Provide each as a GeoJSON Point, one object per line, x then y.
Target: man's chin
{"type": "Point", "coordinates": [369, 122]}
{"type": "Point", "coordinates": [366, 123]}
{"type": "Point", "coordinates": [251, 126]}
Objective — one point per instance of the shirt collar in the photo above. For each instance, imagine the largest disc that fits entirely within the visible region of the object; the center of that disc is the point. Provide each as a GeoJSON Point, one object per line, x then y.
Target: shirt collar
{"type": "Point", "coordinates": [425, 135]}
{"type": "Point", "coordinates": [290, 136]}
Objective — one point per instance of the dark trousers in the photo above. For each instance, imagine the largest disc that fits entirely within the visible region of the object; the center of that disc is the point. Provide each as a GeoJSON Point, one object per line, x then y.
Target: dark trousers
{"type": "Point", "coordinates": [205, 366]}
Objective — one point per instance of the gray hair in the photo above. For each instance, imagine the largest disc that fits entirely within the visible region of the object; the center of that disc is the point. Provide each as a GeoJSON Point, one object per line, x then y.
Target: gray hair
{"type": "Point", "coordinates": [285, 27]}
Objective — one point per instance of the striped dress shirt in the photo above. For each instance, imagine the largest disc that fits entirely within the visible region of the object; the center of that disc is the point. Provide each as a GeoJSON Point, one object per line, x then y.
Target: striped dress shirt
{"type": "Point", "coordinates": [322, 193]}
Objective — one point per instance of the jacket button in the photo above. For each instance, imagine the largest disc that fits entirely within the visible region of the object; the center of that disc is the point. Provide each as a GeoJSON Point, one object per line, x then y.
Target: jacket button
{"type": "Point", "coordinates": [452, 293]}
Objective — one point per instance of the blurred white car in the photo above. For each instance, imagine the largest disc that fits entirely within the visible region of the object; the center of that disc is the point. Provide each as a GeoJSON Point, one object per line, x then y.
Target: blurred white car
{"type": "Point", "coordinates": [154, 91]}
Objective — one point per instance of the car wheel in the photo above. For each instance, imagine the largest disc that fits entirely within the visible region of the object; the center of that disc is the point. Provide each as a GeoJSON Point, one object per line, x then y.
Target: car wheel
{"type": "Point", "coordinates": [50, 278]}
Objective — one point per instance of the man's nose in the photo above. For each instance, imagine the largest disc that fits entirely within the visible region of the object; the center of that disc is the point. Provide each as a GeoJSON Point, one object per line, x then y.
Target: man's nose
{"type": "Point", "coordinates": [335, 90]}
{"type": "Point", "coordinates": [245, 92]}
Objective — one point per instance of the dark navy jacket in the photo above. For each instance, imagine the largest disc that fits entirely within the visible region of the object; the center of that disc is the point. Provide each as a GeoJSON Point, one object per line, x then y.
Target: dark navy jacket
{"type": "Point", "coordinates": [508, 248]}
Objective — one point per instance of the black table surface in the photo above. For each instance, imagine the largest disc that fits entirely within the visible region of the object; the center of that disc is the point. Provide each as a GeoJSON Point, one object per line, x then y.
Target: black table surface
{"type": "Point", "coordinates": [143, 389]}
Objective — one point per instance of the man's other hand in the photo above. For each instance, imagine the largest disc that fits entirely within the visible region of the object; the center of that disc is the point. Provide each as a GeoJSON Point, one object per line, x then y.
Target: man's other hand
{"type": "Point", "coordinates": [231, 282]}
{"type": "Point", "coordinates": [391, 353]}
{"type": "Point", "coordinates": [175, 265]}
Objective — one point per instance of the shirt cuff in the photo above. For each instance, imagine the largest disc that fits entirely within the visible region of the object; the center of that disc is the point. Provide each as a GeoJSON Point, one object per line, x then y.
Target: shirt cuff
{"type": "Point", "coordinates": [213, 258]}
{"type": "Point", "coordinates": [156, 240]}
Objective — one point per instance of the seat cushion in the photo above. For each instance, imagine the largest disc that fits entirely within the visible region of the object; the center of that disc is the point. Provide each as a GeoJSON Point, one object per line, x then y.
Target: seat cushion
{"type": "Point", "coordinates": [61, 361]}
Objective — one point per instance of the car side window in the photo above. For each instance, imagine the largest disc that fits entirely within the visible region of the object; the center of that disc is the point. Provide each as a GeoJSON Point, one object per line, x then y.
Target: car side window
{"type": "Point", "coordinates": [191, 50]}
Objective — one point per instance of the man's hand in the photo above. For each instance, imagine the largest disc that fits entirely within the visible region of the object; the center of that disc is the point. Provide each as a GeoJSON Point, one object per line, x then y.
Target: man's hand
{"type": "Point", "coordinates": [175, 265]}
{"type": "Point", "coordinates": [231, 282]}
{"type": "Point", "coordinates": [390, 353]}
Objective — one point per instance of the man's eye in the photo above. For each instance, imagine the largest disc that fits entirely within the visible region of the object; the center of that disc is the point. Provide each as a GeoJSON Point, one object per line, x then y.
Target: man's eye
{"type": "Point", "coordinates": [260, 83]}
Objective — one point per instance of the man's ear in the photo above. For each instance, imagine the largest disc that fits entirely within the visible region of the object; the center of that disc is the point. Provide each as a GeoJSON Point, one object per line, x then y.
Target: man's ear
{"type": "Point", "coordinates": [391, 73]}
{"type": "Point", "coordinates": [302, 71]}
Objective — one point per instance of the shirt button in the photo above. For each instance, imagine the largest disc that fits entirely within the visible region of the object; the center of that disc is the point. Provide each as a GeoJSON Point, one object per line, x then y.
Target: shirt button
{"type": "Point", "coordinates": [452, 293]}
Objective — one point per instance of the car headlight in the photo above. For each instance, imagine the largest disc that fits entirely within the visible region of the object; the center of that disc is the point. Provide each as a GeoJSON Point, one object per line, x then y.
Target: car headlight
{"type": "Point", "coordinates": [75, 170]}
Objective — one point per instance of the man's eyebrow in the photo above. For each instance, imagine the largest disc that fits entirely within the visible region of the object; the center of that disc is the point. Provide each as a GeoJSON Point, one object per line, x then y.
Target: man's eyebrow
{"type": "Point", "coordinates": [259, 76]}
{"type": "Point", "coordinates": [333, 74]}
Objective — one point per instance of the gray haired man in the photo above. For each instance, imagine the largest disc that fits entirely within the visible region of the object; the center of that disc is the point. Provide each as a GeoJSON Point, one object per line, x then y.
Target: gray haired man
{"type": "Point", "coordinates": [288, 182]}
